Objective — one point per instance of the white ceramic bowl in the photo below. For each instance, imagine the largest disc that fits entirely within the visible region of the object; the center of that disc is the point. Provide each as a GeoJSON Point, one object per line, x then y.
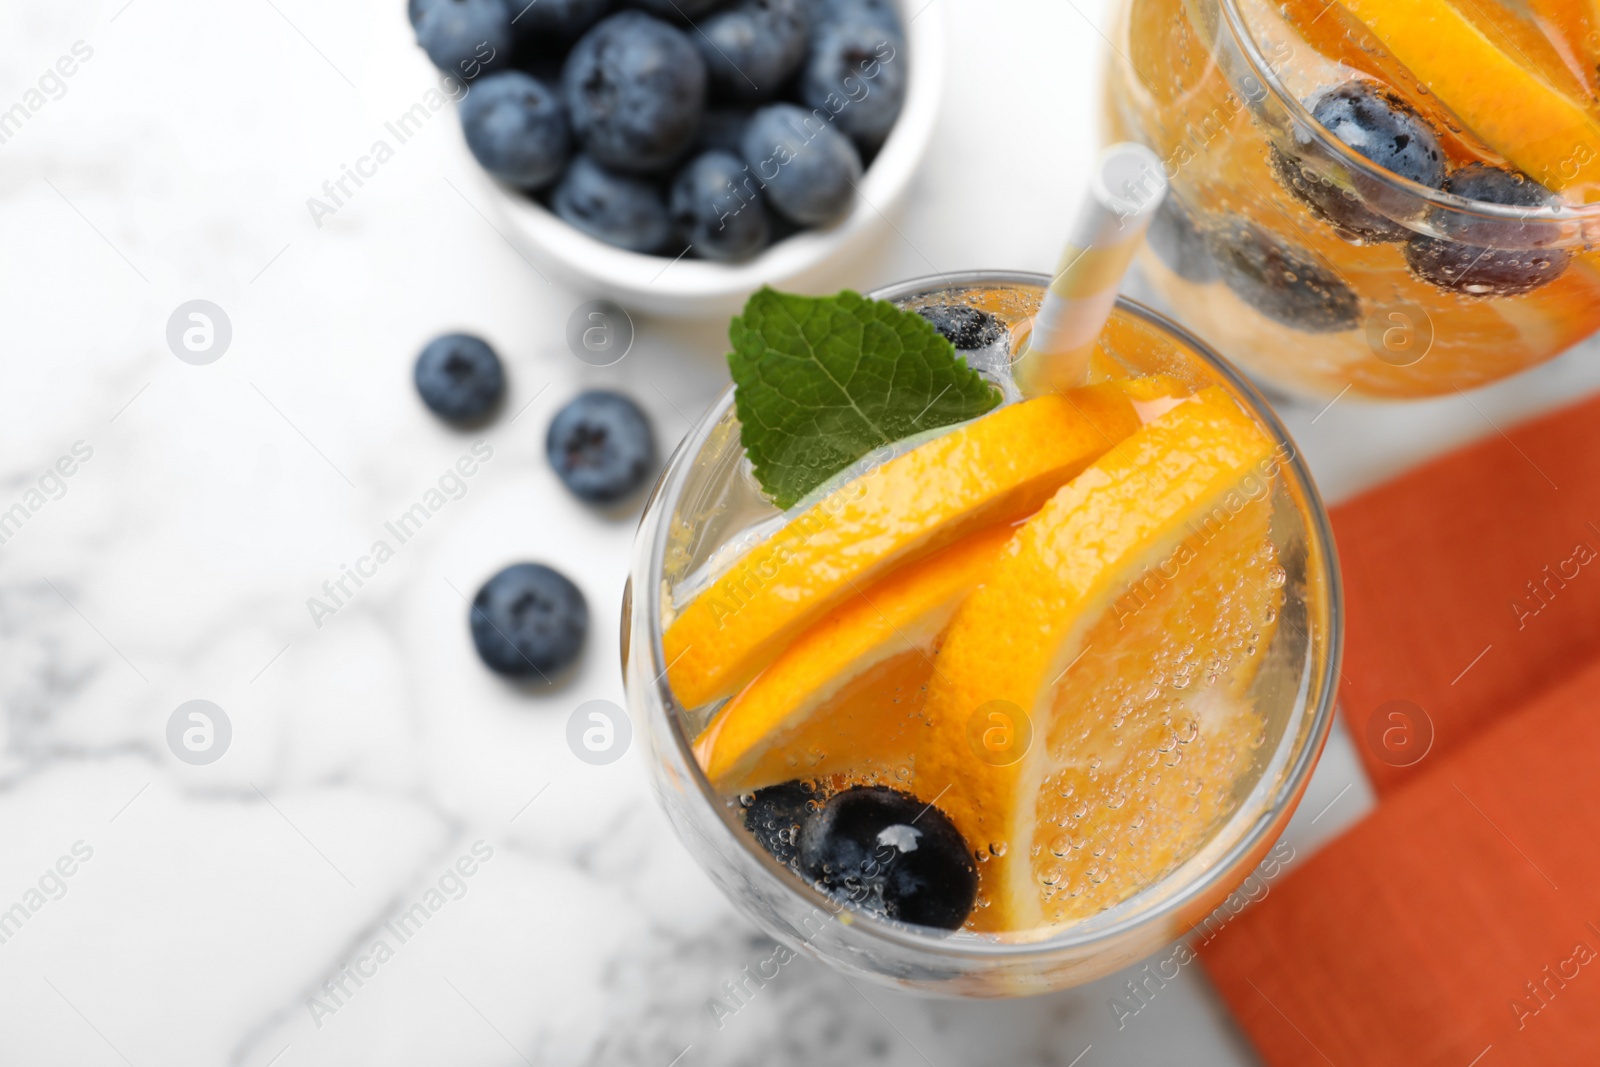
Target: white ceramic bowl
{"type": "Point", "coordinates": [807, 261]}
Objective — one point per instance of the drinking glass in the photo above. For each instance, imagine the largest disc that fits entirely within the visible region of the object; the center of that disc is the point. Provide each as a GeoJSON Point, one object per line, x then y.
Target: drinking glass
{"type": "Point", "coordinates": [707, 504]}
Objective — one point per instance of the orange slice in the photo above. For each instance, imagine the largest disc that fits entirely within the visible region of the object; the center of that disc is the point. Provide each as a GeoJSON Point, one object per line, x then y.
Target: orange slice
{"type": "Point", "coordinates": [995, 469]}
{"type": "Point", "coordinates": [1337, 39]}
{"type": "Point", "coordinates": [1103, 666]}
{"type": "Point", "coordinates": [1517, 31]}
{"type": "Point", "coordinates": [847, 693]}
{"type": "Point", "coordinates": [1516, 111]}
{"type": "Point", "coordinates": [1573, 27]}
{"type": "Point", "coordinates": [1154, 395]}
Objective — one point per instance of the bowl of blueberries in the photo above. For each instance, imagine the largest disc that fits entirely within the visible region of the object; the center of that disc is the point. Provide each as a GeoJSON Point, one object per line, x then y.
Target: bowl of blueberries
{"type": "Point", "coordinates": [674, 155]}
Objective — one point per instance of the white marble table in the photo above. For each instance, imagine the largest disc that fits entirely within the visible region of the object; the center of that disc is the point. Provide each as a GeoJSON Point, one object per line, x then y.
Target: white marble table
{"type": "Point", "coordinates": [212, 911]}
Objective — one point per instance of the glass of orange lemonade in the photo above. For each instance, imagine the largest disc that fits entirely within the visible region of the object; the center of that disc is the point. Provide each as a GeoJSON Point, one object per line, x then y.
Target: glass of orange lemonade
{"type": "Point", "coordinates": [1399, 198]}
{"type": "Point", "coordinates": [1008, 697]}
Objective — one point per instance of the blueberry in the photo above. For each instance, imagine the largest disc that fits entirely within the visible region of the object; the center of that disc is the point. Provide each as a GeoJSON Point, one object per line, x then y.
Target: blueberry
{"type": "Point", "coordinates": [982, 339]}
{"type": "Point", "coordinates": [459, 377]}
{"type": "Point", "coordinates": [968, 328]}
{"type": "Point", "coordinates": [601, 446]}
{"type": "Point", "coordinates": [415, 9]}
{"type": "Point", "coordinates": [1338, 207]}
{"type": "Point", "coordinates": [563, 19]}
{"type": "Point", "coordinates": [752, 48]}
{"type": "Point", "coordinates": [529, 620]}
{"type": "Point", "coordinates": [1281, 281]}
{"type": "Point", "coordinates": [615, 208]}
{"type": "Point", "coordinates": [1177, 242]}
{"type": "Point", "coordinates": [464, 37]}
{"type": "Point", "coordinates": [809, 169]}
{"type": "Point", "coordinates": [516, 128]}
{"type": "Point", "coordinates": [774, 816]}
{"type": "Point", "coordinates": [890, 853]}
{"type": "Point", "coordinates": [717, 209]}
{"type": "Point", "coordinates": [1379, 125]}
{"type": "Point", "coordinates": [857, 73]}
{"type": "Point", "coordinates": [1459, 265]}
{"type": "Point", "coordinates": [879, 13]}
{"type": "Point", "coordinates": [679, 9]}
{"type": "Point", "coordinates": [635, 88]}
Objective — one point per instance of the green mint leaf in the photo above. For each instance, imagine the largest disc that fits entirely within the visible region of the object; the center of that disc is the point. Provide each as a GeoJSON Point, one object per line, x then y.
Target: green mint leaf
{"type": "Point", "coordinates": [822, 381]}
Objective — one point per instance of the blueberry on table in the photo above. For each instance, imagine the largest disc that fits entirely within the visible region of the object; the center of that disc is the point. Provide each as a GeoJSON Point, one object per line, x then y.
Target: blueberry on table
{"type": "Point", "coordinates": [806, 167]}
{"type": "Point", "coordinates": [890, 853]}
{"type": "Point", "coordinates": [968, 328]}
{"type": "Point", "coordinates": [1178, 243]}
{"type": "Point", "coordinates": [634, 88]}
{"type": "Point", "coordinates": [1282, 282]}
{"type": "Point", "coordinates": [752, 48]}
{"type": "Point", "coordinates": [618, 209]}
{"type": "Point", "coordinates": [717, 209]}
{"type": "Point", "coordinates": [564, 19]}
{"type": "Point", "coordinates": [857, 73]}
{"type": "Point", "coordinates": [774, 815]}
{"type": "Point", "coordinates": [529, 621]}
{"type": "Point", "coordinates": [464, 37]}
{"type": "Point", "coordinates": [517, 129]}
{"type": "Point", "coordinates": [1380, 126]}
{"type": "Point", "coordinates": [459, 377]}
{"type": "Point", "coordinates": [1459, 265]}
{"type": "Point", "coordinates": [601, 446]}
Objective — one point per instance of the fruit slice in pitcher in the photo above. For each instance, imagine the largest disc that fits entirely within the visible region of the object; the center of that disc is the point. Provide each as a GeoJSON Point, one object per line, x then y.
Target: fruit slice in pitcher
{"type": "Point", "coordinates": [1086, 720]}
{"type": "Point", "coordinates": [1477, 71]}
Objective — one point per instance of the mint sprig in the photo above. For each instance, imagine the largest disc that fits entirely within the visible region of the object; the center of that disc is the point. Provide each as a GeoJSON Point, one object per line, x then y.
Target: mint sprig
{"type": "Point", "coordinates": [822, 381]}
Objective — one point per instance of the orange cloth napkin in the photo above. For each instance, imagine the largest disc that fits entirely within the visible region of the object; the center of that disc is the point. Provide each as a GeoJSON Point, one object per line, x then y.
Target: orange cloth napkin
{"type": "Point", "coordinates": [1459, 924]}
{"type": "Point", "coordinates": [1463, 914]}
{"type": "Point", "coordinates": [1471, 583]}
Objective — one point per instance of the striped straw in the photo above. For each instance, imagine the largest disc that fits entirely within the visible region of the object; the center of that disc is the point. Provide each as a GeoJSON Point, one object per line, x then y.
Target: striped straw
{"type": "Point", "coordinates": [1125, 189]}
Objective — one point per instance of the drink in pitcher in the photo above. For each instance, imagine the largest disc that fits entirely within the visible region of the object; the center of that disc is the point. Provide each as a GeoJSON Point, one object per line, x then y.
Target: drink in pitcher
{"type": "Point", "coordinates": [1394, 197]}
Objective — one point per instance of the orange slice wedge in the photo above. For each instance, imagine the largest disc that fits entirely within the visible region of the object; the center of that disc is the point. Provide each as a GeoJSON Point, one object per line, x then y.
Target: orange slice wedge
{"type": "Point", "coordinates": [1086, 720]}
{"type": "Point", "coordinates": [995, 469]}
{"type": "Point", "coordinates": [847, 694]}
{"type": "Point", "coordinates": [1509, 105]}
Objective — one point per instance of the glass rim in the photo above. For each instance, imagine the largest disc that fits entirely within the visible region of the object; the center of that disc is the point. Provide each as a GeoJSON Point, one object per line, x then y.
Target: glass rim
{"type": "Point", "coordinates": [1250, 49]}
{"type": "Point", "coordinates": [1085, 933]}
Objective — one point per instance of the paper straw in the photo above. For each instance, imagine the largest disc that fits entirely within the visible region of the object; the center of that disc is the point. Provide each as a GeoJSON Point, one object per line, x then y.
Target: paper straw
{"type": "Point", "coordinates": [1126, 187]}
